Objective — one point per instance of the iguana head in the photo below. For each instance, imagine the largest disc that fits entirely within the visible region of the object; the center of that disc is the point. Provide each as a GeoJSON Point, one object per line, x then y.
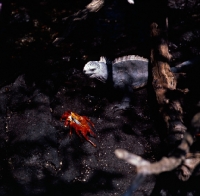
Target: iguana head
{"type": "Point", "coordinates": [96, 69]}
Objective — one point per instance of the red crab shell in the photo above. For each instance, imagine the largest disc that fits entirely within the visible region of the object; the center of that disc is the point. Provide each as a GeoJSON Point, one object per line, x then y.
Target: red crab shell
{"type": "Point", "coordinates": [80, 124]}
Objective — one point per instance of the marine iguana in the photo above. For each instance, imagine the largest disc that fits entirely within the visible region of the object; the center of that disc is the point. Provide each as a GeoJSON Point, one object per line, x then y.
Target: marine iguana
{"type": "Point", "coordinates": [126, 73]}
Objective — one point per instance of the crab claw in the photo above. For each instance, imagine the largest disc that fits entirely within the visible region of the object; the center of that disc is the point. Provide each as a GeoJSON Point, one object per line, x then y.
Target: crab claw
{"type": "Point", "coordinates": [65, 115]}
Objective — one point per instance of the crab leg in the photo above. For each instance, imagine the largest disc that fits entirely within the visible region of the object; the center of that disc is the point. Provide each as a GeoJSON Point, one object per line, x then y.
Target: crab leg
{"type": "Point", "coordinates": [82, 131]}
{"type": "Point", "coordinates": [88, 120]}
{"type": "Point", "coordinates": [86, 137]}
{"type": "Point", "coordinates": [91, 133]}
{"type": "Point", "coordinates": [70, 129]}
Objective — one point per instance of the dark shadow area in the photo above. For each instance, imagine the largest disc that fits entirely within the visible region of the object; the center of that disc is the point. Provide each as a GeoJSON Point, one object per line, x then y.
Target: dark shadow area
{"type": "Point", "coordinates": [168, 184]}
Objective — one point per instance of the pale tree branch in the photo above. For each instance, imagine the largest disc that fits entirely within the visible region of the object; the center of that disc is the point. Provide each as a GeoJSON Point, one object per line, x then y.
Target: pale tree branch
{"type": "Point", "coordinates": [144, 167]}
{"type": "Point", "coordinates": [94, 6]}
{"type": "Point", "coordinates": [186, 169]}
{"type": "Point", "coordinates": [165, 164]}
{"type": "Point", "coordinates": [181, 160]}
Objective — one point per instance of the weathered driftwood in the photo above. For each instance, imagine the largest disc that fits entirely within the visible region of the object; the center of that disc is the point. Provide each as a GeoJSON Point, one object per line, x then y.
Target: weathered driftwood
{"type": "Point", "coordinates": [165, 86]}
{"type": "Point", "coordinates": [164, 82]}
{"type": "Point", "coordinates": [181, 160]}
{"type": "Point", "coordinates": [186, 169]}
{"type": "Point", "coordinates": [94, 6]}
{"type": "Point", "coordinates": [180, 157]}
{"type": "Point", "coordinates": [165, 164]}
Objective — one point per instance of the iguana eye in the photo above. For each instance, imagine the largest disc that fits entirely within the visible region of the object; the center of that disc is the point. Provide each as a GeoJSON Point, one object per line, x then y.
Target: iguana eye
{"type": "Point", "coordinates": [93, 69]}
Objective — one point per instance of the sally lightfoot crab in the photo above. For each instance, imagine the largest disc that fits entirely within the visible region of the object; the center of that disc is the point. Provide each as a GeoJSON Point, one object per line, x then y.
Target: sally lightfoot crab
{"type": "Point", "coordinates": [80, 124]}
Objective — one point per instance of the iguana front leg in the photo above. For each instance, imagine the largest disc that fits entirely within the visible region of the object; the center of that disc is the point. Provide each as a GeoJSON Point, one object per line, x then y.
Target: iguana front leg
{"type": "Point", "coordinates": [125, 104]}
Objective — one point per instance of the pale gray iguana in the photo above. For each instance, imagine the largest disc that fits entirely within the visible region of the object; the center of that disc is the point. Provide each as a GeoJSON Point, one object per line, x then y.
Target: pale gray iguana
{"type": "Point", "coordinates": [126, 73]}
